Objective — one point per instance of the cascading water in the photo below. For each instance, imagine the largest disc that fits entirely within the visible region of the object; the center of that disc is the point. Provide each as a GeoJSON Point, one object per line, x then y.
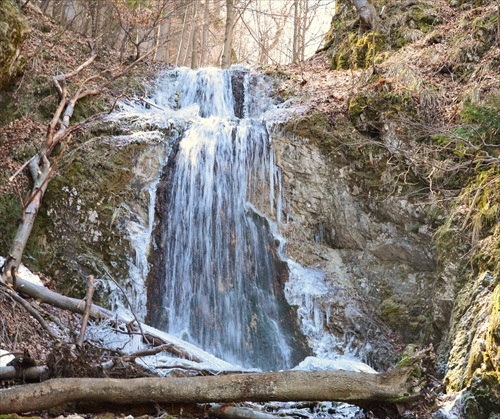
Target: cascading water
{"type": "Point", "coordinates": [222, 286]}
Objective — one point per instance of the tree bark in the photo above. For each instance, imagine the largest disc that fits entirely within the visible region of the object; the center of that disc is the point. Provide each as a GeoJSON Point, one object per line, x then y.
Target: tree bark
{"type": "Point", "coordinates": [28, 374]}
{"type": "Point", "coordinates": [41, 178]}
{"type": "Point", "coordinates": [194, 36]}
{"type": "Point", "coordinates": [44, 295]}
{"type": "Point", "coordinates": [228, 35]}
{"type": "Point", "coordinates": [367, 14]}
{"type": "Point", "coordinates": [204, 34]}
{"type": "Point", "coordinates": [352, 387]}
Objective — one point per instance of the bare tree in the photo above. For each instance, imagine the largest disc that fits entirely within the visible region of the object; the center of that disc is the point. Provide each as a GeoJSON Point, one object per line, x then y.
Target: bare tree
{"type": "Point", "coordinates": [40, 167]}
{"type": "Point", "coordinates": [140, 21]}
{"type": "Point", "coordinates": [228, 35]}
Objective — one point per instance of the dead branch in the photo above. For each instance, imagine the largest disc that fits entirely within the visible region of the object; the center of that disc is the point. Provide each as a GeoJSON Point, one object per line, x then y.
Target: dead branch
{"type": "Point", "coordinates": [86, 311]}
{"type": "Point", "coordinates": [52, 298]}
{"type": "Point", "coordinates": [28, 374]}
{"type": "Point", "coordinates": [35, 314]}
{"type": "Point", "coordinates": [168, 347]}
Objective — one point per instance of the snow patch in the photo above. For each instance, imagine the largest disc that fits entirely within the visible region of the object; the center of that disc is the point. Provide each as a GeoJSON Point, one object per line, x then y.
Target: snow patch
{"type": "Point", "coordinates": [24, 273]}
{"type": "Point", "coordinates": [312, 363]}
{"type": "Point", "coordinates": [5, 357]}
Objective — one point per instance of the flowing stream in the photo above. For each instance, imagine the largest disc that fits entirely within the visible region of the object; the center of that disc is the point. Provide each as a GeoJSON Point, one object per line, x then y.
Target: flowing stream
{"type": "Point", "coordinates": [223, 280]}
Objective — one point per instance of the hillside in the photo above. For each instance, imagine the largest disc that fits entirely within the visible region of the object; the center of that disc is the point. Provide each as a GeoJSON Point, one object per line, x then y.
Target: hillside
{"type": "Point", "coordinates": [402, 125]}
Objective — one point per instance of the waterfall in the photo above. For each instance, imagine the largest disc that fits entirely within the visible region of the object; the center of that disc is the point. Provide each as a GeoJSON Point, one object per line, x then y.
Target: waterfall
{"type": "Point", "coordinates": [223, 280]}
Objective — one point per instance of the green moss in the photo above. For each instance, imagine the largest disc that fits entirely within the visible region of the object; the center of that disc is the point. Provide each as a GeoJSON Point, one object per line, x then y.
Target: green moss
{"type": "Point", "coordinates": [10, 213]}
{"type": "Point", "coordinates": [422, 18]}
{"type": "Point", "coordinates": [13, 32]}
{"type": "Point", "coordinates": [482, 398]}
{"type": "Point", "coordinates": [394, 312]}
{"type": "Point", "coordinates": [314, 127]}
{"type": "Point", "coordinates": [475, 363]}
{"type": "Point", "coordinates": [366, 49]}
{"type": "Point", "coordinates": [370, 110]}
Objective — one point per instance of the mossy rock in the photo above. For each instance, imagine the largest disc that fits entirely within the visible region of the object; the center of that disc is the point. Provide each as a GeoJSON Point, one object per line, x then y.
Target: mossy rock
{"type": "Point", "coordinates": [474, 362]}
{"type": "Point", "coordinates": [316, 128]}
{"type": "Point", "coordinates": [370, 110]}
{"type": "Point", "coordinates": [393, 312]}
{"type": "Point", "coordinates": [13, 32]}
{"type": "Point", "coordinates": [401, 23]}
{"type": "Point", "coordinates": [482, 398]}
{"type": "Point", "coordinates": [10, 213]}
{"type": "Point", "coordinates": [80, 228]}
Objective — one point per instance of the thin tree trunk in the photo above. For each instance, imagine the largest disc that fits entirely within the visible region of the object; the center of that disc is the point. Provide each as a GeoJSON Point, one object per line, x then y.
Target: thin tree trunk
{"type": "Point", "coordinates": [303, 29]}
{"type": "Point", "coordinates": [204, 35]}
{"type": "Point", "coordinates": [345, 386]}
{"type": "Point", "coordinates": [181, 43]}
{"type": "Point", "coordinates": [228, 35]}
{"type": "Point", "coordinates": [44, 5]}
{"type": "Point", "coordinates": [167, 43]}
{"type": "Point", "coordinates": [194, 48]}
{"type": "Point", "coordinates": [157, 41]}
{"type": "Point", "coordinates": [41, 177]}
{"type": "Point", "coordinates": [296, 29]}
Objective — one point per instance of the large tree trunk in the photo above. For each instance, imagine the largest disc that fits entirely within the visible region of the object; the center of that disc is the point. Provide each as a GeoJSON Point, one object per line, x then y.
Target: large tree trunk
{"type": "Point", "coordinates": [352, 387]}
{"type": "Point", "coordinates": [367, 14]}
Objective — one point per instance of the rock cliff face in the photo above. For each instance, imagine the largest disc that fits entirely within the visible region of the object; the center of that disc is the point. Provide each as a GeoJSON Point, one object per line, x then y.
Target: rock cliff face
{"type": "Point", "coordinates": [384, 289]}
{"type": "Point", "coordinates": [424, 48]}
{"type": "Point", "coordinates": [13, 32]}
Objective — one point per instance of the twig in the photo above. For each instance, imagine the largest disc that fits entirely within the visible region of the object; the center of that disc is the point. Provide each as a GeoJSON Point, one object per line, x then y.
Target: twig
{"type": "Point", "coordinates": [21, 169]}
{"type": "Point", "coordinates": [86, 312]}
{"type": "Point", "coordinates": [169, 347]}
{"type": "Point", "coordinates": [27, 306]}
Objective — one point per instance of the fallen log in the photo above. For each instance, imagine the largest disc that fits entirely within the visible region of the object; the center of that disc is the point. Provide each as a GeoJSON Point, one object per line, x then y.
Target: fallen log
{"type": "Point", "coordinates": [236, 412]}
{"type": "Point", "coordinates": [28, 374]}
{"type": "Point", "coordinates": [345, 386]}
{"type": "Point", "coordinates": [44, 295]}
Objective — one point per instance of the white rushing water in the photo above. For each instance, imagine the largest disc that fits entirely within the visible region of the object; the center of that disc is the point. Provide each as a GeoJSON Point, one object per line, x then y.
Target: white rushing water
{"type": "Point", "coordinates": [222, 289]}
{"type": "Point", "coordinates": [221, 279]}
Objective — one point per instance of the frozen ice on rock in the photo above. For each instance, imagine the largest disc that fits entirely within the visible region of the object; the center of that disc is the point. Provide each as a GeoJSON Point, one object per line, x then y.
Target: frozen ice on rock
{"type": "Point", "coordinates": [312, 363]}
